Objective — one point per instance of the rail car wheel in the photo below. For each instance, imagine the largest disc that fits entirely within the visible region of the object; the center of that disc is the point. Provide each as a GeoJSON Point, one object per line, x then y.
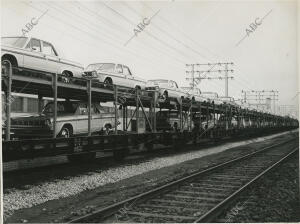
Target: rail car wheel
{"type": "Point", "coordinates": [149, 146]}
{"type": "Point", "coordinates": [120, 154]}
{"type": "Point", "coordinates": [82, 158]}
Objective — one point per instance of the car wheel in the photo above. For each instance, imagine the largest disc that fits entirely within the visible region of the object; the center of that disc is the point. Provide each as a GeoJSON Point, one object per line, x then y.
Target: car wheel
{"type": "Point", "coordinates": [108, 82]}
{"type": "Point", "coordinates": [5, 65]}
{"type": "Point", "coordinates": [66, 77]}
{"type": "Point", "coordinates": [165, 95]}
{"type": "Point", "coordinates": [65, 132]}
{"type": "Point", "coordinates": [108, 129]}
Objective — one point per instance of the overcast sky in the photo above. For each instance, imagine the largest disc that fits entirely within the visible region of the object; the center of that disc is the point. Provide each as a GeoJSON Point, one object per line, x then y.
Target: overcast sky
{"type": "Point", "coordinates": [179, 33]}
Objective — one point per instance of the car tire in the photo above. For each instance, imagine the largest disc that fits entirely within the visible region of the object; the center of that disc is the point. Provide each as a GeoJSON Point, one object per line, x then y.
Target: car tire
{"type": "Point", "coordinates": [165, 95]}
{"type": "Point", "coordinates": [65, 132]}
{"type": "Point", "coordinates": [66, 77]}
{"type": "Point", "coordinates": [108, 82]}
{"type": "Point", "coordinates": [5, 67]}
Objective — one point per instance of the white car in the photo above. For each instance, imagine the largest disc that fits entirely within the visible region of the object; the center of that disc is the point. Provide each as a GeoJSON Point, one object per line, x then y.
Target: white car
{"type": "Point", "coordinates": [32, 53]}
{"type": "Point", "coordinates": [72, 119]}
{"type": "Point", "coordinates": [194, 94]}
{"type": "Point", "coordinates": [167, 89]}
{"type": "Point", "coordinates": [114, 74]}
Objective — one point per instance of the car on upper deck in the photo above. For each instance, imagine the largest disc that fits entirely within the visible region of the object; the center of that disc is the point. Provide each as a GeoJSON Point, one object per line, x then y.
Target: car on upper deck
{"type": "Point", "coordinates": [195, 94]}
{"type": "Point", "coordinates": [72, 120]}
{"type": "Point", "coordinates": [39, 55]}
{"type": "Point", "coordinates": [114, 74]}
{"type": "Point", "coordinates": [167, 89]}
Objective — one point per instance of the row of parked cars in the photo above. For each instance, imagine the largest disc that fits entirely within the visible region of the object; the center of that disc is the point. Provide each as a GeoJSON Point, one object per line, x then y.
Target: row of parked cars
{"type": "Point", "coordinates": [40, 55]}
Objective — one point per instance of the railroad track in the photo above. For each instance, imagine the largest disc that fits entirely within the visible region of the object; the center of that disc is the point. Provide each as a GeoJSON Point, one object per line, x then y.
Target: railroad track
{"type": "Point", "coordinates": [200, 197]}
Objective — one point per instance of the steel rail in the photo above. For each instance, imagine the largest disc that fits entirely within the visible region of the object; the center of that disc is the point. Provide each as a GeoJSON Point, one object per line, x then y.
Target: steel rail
{"type": "Point", "coordinates": [108, 211]}
{"type": "Point", "coordinates": [222, 206]}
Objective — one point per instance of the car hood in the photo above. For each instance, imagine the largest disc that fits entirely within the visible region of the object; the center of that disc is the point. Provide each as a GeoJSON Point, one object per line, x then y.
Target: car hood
{"type": "Point", "coordinates": [10, 47]}
{"type": "Point", "coordinates": [29, 116]}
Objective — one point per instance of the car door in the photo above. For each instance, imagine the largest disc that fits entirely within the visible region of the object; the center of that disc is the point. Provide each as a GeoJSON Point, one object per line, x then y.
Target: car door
{"type": "Point", "coordinates": [82, 118]}
{"type": "Point", "coordinates": [130, 81]}
{"type": "Point", "coordinates": [119, 78]}
{"type": "Point", "coordinates": [97, 120]}
{"type": "Point", "coordinates": [52, 60]}
{"type": "Point", "coordinates": [82, 122]}
{"type": "Point", "coordinates": [34, 58]}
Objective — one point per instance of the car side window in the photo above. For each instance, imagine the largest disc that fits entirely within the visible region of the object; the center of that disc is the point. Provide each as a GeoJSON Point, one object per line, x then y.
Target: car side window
{"type": "Point", "coordinates": [126, 70]}
{"type": "Point", "coordinates": [119, 69]}
{"type": "Point", "coordinates": [171, 84]}
{"type": "Point", "coordinates": [35, 45]}
{"type": "Point", "coordinates": [48, 49]}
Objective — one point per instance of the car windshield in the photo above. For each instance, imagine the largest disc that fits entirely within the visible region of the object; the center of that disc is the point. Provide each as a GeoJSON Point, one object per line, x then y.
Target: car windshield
{"type": "Point", "coordinates": [108, 67]}
{"type": "Point", "coordinates": [62, 108]}
{"type": "Point", "coordinates": [14, 41]}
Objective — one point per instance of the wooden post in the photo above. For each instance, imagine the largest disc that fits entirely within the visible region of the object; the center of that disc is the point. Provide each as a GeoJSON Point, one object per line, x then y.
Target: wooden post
{"type": "Point", "coordinates": [154, 110]}
{"type": "Point", "coordinates": [123, 116]}
{"type": "Point", "coordinates": [89, 94]}
{"type": "Point", "coordinates": [8, 101]}
{"type": "Point", "coordinates": [116, 108]}
{"type": "Point", "coordinates": [40, 103]}
{"type": "Point", "coordinates": [54, 87]}
{"type": "Point", "coordinates": [126, 117]}
{"type": "Point", "coordinates": [200, 122]}
{"type": "Point", "coordinates": [137, 109]}
{"type": "Point", "coordinates": [181, 117]}
{"type": "Point", "coordinates": [226, 118]}
{"type": "Point", "coordinates": [214, 113]}
{"type": "Point", "coordinates": [207, 114]}
{"type": "Point", "coordinates": [191, 116]}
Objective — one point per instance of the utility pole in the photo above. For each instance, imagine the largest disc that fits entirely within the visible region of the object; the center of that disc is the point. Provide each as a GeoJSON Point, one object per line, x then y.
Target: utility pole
{"type": "Point", "coordinates": [203, 74]}
{"type": "Point", "coordinates": [226, 80]}
{"type": "Point", "coordinates": [258, 95]}
{"type": "Point", "coordinates": [287, 110]}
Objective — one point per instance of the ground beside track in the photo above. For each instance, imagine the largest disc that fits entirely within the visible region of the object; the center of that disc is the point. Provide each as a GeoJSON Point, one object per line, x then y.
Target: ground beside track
{"type": "Point", "coordinates": [274, 199]}
{"type": "Point", "coordinates": [63, 209]}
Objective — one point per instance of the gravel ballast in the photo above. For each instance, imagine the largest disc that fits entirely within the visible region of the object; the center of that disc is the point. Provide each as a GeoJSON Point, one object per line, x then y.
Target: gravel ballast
{"type": "Point", "coordinates": [274, 199]}
{"type": "Point", "coordinates": [16, 199]}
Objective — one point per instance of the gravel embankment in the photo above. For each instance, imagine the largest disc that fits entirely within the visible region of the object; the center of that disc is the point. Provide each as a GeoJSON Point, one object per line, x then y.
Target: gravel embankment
{"type": "Point", "coordinates": [15, 199]}
{"type": "Point", "coordinates": [274, 199]}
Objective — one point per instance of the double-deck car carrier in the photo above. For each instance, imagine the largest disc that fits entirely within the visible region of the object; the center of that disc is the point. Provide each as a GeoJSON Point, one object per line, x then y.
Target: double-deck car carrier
{"type": "Point", "coordinates": [196, 120]}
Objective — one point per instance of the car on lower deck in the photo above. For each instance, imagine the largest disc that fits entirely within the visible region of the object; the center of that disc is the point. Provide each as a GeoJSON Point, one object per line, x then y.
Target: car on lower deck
{"type": "Point", "coordinates": [114, 74]}
{"type": "Point", "coordinates": [39, 55]}
{"type": "Point", "coordinates": [72, 120]}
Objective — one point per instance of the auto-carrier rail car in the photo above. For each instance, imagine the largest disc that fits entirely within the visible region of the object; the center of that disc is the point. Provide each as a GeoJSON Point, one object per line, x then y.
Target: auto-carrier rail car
{"type": "Point", "coordinates": [77, 126]}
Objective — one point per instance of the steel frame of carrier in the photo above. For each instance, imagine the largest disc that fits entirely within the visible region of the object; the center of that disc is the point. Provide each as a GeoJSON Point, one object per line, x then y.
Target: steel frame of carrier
{"type": "Point", "coordinates": [54, 86]}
